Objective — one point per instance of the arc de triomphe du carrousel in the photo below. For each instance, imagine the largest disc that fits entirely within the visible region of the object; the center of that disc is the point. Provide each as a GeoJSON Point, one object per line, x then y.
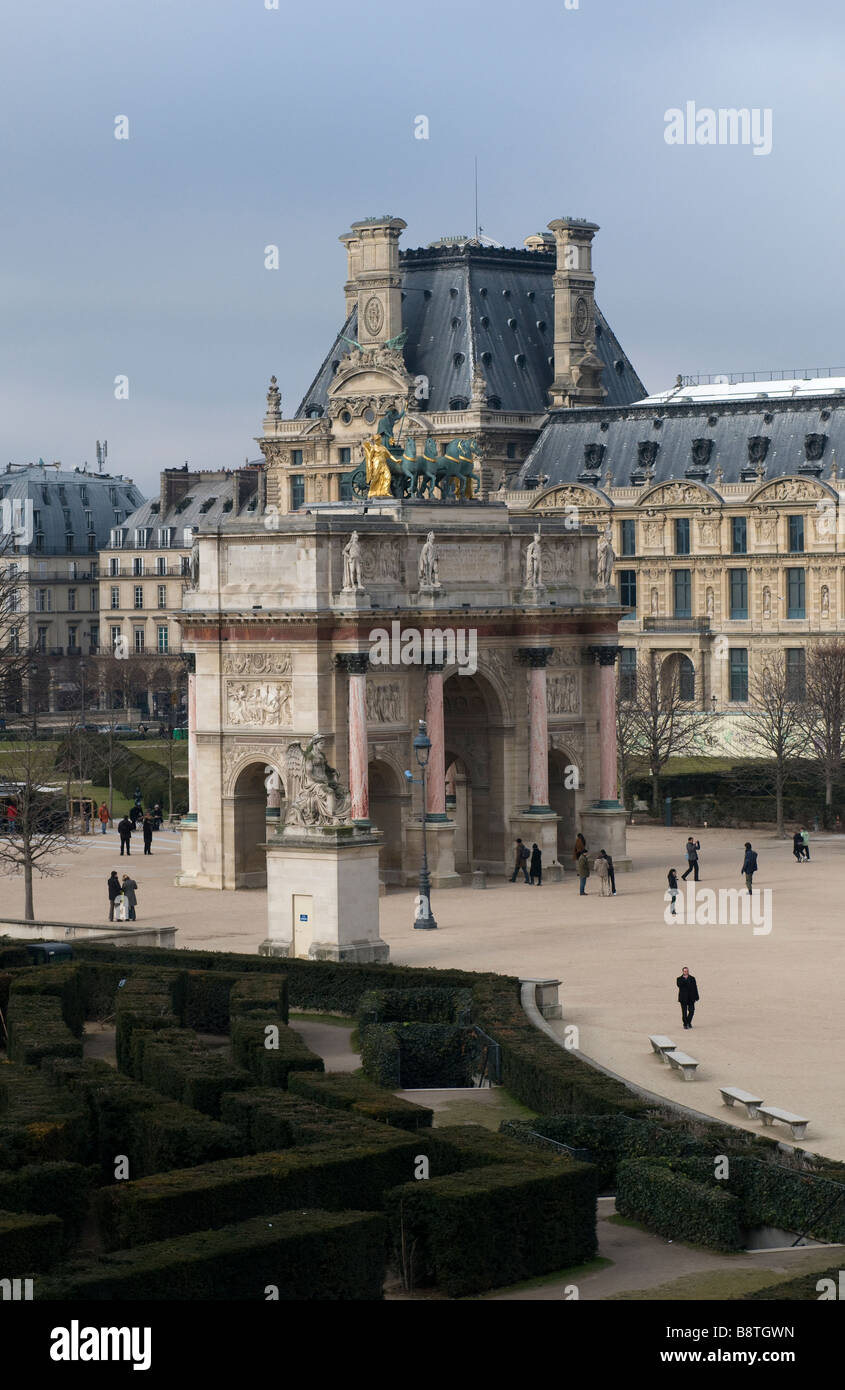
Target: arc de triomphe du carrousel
{"type": "Point", "coordinates": [322, 636]}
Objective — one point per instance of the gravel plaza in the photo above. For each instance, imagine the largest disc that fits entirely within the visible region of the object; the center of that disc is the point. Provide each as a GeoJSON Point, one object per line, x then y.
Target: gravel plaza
{"type": "Point", "coordinates": [768, 1020]}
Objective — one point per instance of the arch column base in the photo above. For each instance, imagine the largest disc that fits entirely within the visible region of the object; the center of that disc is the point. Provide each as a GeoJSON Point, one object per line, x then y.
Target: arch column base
{"type": "Point", "coordinates": [535, 827]}
{"type": "Point", "coordinates": [440, 849]}
{"type": "Point", "coordinates": [604, 828]}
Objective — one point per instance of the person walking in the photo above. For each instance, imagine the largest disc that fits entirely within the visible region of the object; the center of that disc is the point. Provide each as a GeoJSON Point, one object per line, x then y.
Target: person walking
{"type": "Point", "coordinates": [114, 891]}
{"type": "Point", "coordinates": [536, 871]}
{"type": "Point", "coordinates": [687, 995]}
{"type": "Point", "coordinates": [523, 854]}
{"type": "Point", "coordinates": [603, 873]}
{"type": "Point", "coordinates": [805, 840]}
{"type": "Point", "coordinates": [749, 865]}
{"type": "Point", "coordinates": [130, 889]}
{"type": "Point", "coordinates": [798, 847]}
{"type": "Point", "coordinates": [673, 889]}
{"type": "Point", "coordinates": [691, 850]}
{"type": "Point", "coordinates": [583, 868]}
{"type": "Point", "coordinates": [103, 813]}
{"type": "Point", "coordinates": [147, 832]}
{"type": "Point", "coordinates": [603, 854]}
{"type": "Point", "coordinates": [124, 830]}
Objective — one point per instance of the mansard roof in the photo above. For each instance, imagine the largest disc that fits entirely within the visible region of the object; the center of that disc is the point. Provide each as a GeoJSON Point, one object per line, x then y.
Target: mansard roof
{"type": "Point", "coordinates": [648, 443]}
{"type": "Point", "coordinates": [469, 304]}
{"type": "Point", "coordinates": [54, 491]}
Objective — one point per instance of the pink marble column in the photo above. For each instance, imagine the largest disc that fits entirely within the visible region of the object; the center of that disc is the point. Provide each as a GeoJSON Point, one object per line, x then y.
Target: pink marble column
{"type": "Point", "coordinates": [355, 664]}
{"type": "Point", "coordinates": [192, 743]}
{"type": "Point", "coordinates": [538, 750]}
{"type": "Point", "coordinates": [606, 659]}
{"type": "Point", "coordinates": [436, 773]}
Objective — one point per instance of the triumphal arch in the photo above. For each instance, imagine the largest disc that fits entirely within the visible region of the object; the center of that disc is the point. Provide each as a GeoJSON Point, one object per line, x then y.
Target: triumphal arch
{"type": "Point", "coordinates": [354, 620]}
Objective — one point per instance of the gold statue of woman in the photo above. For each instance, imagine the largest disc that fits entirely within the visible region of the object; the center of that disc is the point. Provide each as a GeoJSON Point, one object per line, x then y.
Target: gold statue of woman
{"type": "Point", "coordinates": [378, 468]}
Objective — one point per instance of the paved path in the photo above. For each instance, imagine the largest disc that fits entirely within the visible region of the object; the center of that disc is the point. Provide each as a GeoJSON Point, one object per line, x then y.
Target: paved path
{"type": "Point", "coordinates": [770, 1018]}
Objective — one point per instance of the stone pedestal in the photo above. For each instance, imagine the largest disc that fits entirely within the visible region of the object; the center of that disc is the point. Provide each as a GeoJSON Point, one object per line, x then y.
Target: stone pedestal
{"type": "Point", "coordinates": [187, 877]}
{"type": "Point", "coordinates": [533, 827]}
{"type": "Point", "coordinates": [356, 599]}
{"type": "Point", "coordinates": [322, 895]}
{"type": "Point", "coordinates": [604, 828]}
{"type": "Point", "coordinates": [440, 849]}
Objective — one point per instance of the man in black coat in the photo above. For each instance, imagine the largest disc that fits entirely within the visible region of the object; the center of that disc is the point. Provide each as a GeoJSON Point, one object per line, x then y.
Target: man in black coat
{"type": "Point", "coordinates": [115, 891]}
{"type": "Point", "coordinates": [687, 995]}
{"type": "Point", "coordinates": [124, 830]}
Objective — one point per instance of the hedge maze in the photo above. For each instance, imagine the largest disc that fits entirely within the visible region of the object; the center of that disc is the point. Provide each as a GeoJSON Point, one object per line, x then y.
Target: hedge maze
{"type": "Point", "coordinates": [220, 1161]}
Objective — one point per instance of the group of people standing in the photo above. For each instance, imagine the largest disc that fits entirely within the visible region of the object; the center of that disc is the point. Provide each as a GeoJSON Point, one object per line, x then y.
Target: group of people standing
{"type": "Point", "coordinates": [127, 827]}
{"type": "Point", "coordinates": [529, 863]}
{"type": "Point", "coordinates": [123, 897]}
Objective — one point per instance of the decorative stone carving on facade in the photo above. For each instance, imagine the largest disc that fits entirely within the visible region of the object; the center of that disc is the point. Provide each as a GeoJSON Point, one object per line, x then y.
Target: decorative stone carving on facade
{"type": "Point", "coordinates": [825, 601]}
{"type": "Point", "coordinates": [382, 562]}
{"type": "Point", "coordinates": [470, 559]}
{"type": "Point", "coordinates": [605, 557]}
{"type": "Point", "coordinates": [353, 564]}
{"type": "Point", "coordinates": [384, 702]}
{"type": "Point", "coordinates": [594, 456]}
{"type": "Point", "coordinates": [708, 533]}
{"type": "Point", "coordinates": [758, 448]}
{"type": "Point", "coordinates": [559, 561]}
{"type": "Point", "coordinates": [814, 445]}
{"type": "Point", "coordinates": [262, 704]}
{"type": "Point", "coordinates": [668, 494]}
{"type": "Point", "coordinates": [533, 563]}
{"type": "Point", "coordinates": [564, 656]}
{"type": "Point", "coordinates": [655, 603]}
{"type": "Point", "coordinates": [653, 532]}
{"type": "Point", "coordinates": [571, 496]}
{"type": "Point", "coordinates": [258, 664]}
{"type": "Point", "coordinates": [274, 400]}
{"type": "Point", "coordinates": [564, 696]}
{"type": "Point", "coordinates": [701, 450]}
{"type": "Point", "coordinates": [237, 755]}
{"type": "Point", "coordinates": [709, 602]}
{"type": "Point", "coordinates": [429, 564]}
{"type": "Point", "coordinates": [647, 451]}
{"type": "Point", "coordinates": [767, 601]}
{"type": "Point", "coordinates": [570, 742]}
{"type": "Point", "coordinates": [791, 490]}
{"type": "Point", "coordinates": [765, 527]}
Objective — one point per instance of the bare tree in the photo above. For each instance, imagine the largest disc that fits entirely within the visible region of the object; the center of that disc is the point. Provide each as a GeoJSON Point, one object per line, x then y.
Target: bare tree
{"type": "Point", "coordinates": [40, 830]}
{"type": "Point", "coordinates": [825, 710]}
{"type": "Point", "coordinates": [775, 722]}
{"type": "Point", "coordinates": [18, 660]}
{"type": "Point", "coordinates": [655, 724]}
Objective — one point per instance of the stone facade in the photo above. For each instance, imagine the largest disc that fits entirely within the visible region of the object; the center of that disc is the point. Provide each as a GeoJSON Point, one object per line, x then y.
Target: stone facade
{"type": "Point", "coordinates": [286, 652]}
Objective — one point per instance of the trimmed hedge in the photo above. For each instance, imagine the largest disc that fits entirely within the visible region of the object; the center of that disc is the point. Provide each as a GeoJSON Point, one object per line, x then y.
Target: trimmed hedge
{"type": "Point", "coordinates": [271, 1066]}
{"type": "Point", "coordinates": [416, 1006]}
{"type": "Point", "coordinates": [493, 1226]}
{"type": "Point", "coordinates": [257, 993]}
{"type": "Point", "coordinates": [28, 1243]}
{"type": "Point", "coordinates": [675, 1206]}
{"type": "Point", "coordinates": [36, 1125]}
{"type": "Point", "coordinates": [37, 1030]}
{"type": "Point", "coordinates": [207, 995]}
{"type": "Point", "coordinates": [49, 1189]}
{"type": "Point", "coordinates": [331, 1176]}
{"type": "Point", "coordinates": [62, 982]}
{"type": "Point", "coordinates": [345, 1091]}
{"type": "Point", "coordinates": [308, 1255]}
{"type": "Point", "coordinates": [178, 1064]}
{"type": "Point", "coordinates": [149, 1000]}
{"type": "Point", "coordinates": [272, 1119]}
{"type": "Point", "coordinates": [417, 1056]}
{"type": "Point", "coordinates": [609, 1138]}
{"type": "Point", "coordinates": [126, 1118]}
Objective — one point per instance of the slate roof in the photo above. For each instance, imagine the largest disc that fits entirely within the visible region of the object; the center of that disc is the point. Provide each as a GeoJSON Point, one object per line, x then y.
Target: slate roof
{"type": "Point", "coordinates": [42, 484]}
{"type": "Point", "coordinates": [786, 422]}
{"type": "Point", "coordinates": [209, 501]}
{"type": "Point", "coordinates": [494, 306]}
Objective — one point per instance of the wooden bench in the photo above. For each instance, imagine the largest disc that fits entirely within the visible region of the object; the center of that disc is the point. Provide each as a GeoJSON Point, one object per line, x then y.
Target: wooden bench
{"type": "Point", "coordinates": [769, 1113]}
{"type": "Point", "coordinates": [683, 1063]}
{"type": "Point", "coordinates": [661, 1045]}
{"type": "Point", "coordinates": [752, 1103]}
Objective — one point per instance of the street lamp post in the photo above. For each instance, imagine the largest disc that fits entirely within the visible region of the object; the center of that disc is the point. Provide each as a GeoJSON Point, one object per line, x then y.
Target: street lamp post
{"type": "Point", "coordinates": [423, 917]}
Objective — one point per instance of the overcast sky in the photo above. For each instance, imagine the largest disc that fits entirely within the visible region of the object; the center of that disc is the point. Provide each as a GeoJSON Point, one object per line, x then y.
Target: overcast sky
{"type": "Point", "coordinates": [251, 126]}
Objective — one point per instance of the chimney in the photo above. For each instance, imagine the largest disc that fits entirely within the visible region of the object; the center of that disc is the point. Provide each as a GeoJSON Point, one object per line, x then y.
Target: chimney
{"type": "Point", "coordinates": [374, 278]}
{"type": "Point", "coordinates": [175, 484]}
{"type": "Point", "coordinates": [578, 370]}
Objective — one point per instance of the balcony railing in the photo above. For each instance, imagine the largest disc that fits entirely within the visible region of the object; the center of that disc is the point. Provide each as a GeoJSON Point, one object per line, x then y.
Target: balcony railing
{"type": "Point", "coordinates": [676, 625]}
